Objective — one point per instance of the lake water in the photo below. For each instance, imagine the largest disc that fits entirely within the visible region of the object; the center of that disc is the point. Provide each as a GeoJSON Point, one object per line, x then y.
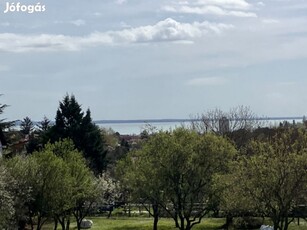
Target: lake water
{"type": "Point", "coordinates": [132, 128]}
{"type": "Point", "coordinates": [137, 128]}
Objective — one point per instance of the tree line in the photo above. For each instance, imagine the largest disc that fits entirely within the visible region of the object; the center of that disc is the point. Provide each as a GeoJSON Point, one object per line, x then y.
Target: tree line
{"type": "Point", "coordinates": [187, 174]}
{"type": "Point", "coordinates": [58, 173]}
{"type": "Point", "coordinates": [71, 167]}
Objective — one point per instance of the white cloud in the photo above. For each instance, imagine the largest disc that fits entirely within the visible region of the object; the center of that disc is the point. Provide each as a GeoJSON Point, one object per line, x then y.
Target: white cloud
{"type": "Point", "coordinates": [78, 22]}
{"type": "Point", "coordinates": [213, 10]}
{"type": "Point", "coordinates": [237, 8]}
{"type": "Point", "coordinates": [97, 14]}
{"type": "Point", "coordinates": [260, 4]}
{"type": "Point", "coordinates": [124, 25]}
{"type": "Point", "coordinates": [232, 4]}
{"type": "Point", "coordinates": [183, 3]}
{"type": "Point", "coordinates": [167, 30]}
{"type": "Point", "coordinates": [207, 81]}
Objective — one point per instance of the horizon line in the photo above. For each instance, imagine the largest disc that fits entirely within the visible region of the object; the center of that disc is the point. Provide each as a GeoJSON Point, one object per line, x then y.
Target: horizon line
{"type": "Point", "coordinates": [161, 120]}
{"type": "Point", "coordinates": [172, 120]}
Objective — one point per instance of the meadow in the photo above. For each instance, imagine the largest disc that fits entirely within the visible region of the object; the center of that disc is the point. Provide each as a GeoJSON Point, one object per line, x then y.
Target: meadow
{"type": "Point", "coordinates": [143, 223]}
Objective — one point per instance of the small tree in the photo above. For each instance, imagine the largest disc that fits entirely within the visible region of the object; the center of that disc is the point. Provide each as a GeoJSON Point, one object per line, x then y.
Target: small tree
{"type": "Point", "coordinates": [174, 170]}
{"type": "Point", "coordinates": [108, 192]}
{"type": "Point", "coordinates": [44, 125]}
{"type": "Point", "coordinates": [221, 122]}
{"type": "Point", "coordinates": [51, 186]}
{"type": "Point", "coordinates": [39, 136]}
{"type": "Point", "coordinates": [78, 189]}
{"type": "Point", "coordinates": [7, 211]}
{"type": "Point", "coordinates": [271, 178]}
{"type": "Point", "coordinates": [26, 126]}
{"type": "Point", "coordinates": [52, 183]}
{"type": "Point", "coordinates": [22, 173]}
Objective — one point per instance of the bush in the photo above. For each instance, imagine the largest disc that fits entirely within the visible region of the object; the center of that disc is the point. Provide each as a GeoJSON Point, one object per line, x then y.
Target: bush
{"type": "Point", "coordinates": [247, 222]}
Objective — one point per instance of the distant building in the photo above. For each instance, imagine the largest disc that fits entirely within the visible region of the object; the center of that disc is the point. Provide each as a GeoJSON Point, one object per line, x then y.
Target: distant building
{"type": "Point", "coordinates": [224, 125]}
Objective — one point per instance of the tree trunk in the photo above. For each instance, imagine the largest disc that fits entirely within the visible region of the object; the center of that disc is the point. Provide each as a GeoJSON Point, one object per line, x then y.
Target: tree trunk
{"type": "Point", "coordinates": [229, 220]}
{"type": "Point", "coordinates": [155, 208]}
{"type": "Point", "coordinates": [182, 223]}
{"type": "Point", "coordinates": [22, 224]}
{"type": "Point", "coordinates": [62, 222]}
{"type": "Point", "coordinates": [188, 226]}
{"type": "Point", "coordinates": [31, 220]}
{"type": "Point", "coordinates": [110, 212]}
{"type": "Point", "coordinates": [176, 220]}
{"type": "Point", "coordinates": [55, 223]}
{"type": "Point", "coordinates": [38, 227]}
{"type": "Point", "coordinates": [276, 224]}
{"type": "Point", "coordinates": [68, 223]}
{"type": "Point", "coordinates": [79, 224]}
{"type": "Point", "coordinates": [155, 224]}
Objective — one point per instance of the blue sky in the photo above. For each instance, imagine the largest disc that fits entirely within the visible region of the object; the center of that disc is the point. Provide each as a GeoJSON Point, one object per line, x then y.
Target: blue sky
{"type": "Point", "coordinates": [133, 59]}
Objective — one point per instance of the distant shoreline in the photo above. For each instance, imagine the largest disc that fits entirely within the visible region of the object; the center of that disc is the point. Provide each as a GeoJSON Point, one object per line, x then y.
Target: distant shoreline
{"type": "Point", "coordinates": [142, 121]}
{"type": "Point", "coordinates": [171, 120]}
{"type": "Point", "coordinates": [137, 121]}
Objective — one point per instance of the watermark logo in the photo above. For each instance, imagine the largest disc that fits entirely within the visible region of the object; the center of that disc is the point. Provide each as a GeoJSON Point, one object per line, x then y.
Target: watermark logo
{"type": "Point", "coordinates": [19, 7]}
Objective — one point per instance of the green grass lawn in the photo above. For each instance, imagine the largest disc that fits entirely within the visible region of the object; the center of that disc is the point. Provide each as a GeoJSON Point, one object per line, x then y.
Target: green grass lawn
{"type": "Point", "coordinates": [146, 223]}
{"type": "Point", "coordinates": [143, 223]}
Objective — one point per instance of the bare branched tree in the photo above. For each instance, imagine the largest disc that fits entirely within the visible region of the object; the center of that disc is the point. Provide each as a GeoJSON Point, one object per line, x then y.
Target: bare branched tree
{"type": "Point", "coordinates": [219, 121]}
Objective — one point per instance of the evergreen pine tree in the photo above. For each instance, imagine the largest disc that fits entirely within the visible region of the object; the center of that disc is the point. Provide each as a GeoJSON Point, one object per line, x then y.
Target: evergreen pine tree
{"type": "Point", "coordinates": [71, 123]}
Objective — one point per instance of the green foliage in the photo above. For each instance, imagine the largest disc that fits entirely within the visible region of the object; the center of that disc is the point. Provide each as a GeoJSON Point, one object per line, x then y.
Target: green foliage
{"type": "Point", "coordinates": [117, 147]}
{"type": "Point", "coordinates": [7, 210]}
{"type": "Point", "coordinates": [22, 172]}
{"type": "Point", "coordinates": [71, 123]}
{"type": "Point", "coordinates": [26, 126]}
{"type": "Point", "coordinates": [37, 137]}
{"type": "Point", "coordinates": [108, 191]}
{"type": "Point", "coordinates": [44, 125]}
{"type": "Point", "coordinates": [248, 222]}
{"type": "Point", "coordinates": [53, 182]}
{"type": "Point", "coordinates": [271, 178]}
{"type": "Point", "coordinates": [177, 168]}
{"type": "Point", "coordinates": [78, 189]}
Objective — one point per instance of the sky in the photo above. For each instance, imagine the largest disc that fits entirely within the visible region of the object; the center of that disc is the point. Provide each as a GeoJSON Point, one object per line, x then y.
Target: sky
{"type": "Point", "coordinates": [145, 59]}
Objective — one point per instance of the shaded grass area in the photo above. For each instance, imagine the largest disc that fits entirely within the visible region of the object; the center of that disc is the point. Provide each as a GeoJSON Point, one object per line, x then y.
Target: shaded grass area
{"type": "Point", "coordinates": [146, 224]}
{"type": "Point", "coordinates": [142, 223]}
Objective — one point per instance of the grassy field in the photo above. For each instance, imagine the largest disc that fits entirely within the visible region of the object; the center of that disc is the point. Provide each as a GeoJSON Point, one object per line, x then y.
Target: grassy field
{"type": "Point", "coordinates": [141, 223]}
{"type": "Point", "coordinates": [136, 223]}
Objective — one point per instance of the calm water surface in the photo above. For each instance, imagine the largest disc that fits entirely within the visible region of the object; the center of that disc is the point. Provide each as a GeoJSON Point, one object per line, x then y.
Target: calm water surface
{"type": "Point", "coordinates": [137, 128]}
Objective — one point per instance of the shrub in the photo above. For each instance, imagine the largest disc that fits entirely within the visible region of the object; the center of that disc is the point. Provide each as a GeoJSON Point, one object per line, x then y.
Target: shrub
{"type": "Point", "coordinates": [247, 222]}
